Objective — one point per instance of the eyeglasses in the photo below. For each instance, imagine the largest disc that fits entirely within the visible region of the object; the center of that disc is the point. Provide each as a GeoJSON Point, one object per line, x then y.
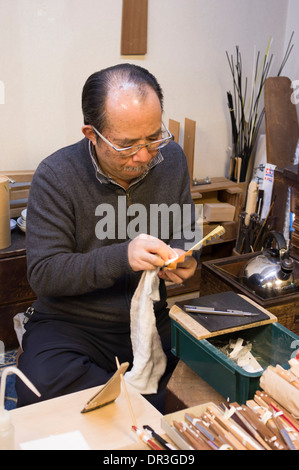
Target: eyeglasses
{"type": "Point", "coordinates": [151, 146]}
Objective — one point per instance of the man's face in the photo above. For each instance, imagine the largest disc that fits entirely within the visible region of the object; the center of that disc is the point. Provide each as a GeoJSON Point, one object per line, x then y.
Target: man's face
{"type": "Point", "coordinates": [132, 119]}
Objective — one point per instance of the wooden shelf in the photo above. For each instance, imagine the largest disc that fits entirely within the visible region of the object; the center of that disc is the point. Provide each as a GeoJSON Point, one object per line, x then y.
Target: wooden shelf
{"type": "Point", "coordinates": [15, 292]}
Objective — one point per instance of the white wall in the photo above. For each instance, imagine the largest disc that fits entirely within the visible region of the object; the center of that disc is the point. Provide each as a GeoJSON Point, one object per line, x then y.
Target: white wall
{"type": "Point", "coordinates": [292, 66]}
{"type": "Point", "coordinates": [49, 47]}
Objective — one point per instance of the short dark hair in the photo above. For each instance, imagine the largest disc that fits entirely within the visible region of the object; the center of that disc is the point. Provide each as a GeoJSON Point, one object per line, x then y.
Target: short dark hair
{"type": "Point", "coordinates": [98, 85]}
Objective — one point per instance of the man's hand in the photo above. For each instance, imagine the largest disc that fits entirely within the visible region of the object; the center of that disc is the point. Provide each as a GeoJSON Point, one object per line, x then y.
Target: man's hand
{"type": "Point", "coordinates": [182, 272]}
{"type": "Point", "coordinates": [146, 252]}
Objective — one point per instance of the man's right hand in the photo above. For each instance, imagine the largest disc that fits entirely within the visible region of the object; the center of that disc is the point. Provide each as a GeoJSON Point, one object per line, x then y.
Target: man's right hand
{"type": "Point", "coordinates": [146, 252]}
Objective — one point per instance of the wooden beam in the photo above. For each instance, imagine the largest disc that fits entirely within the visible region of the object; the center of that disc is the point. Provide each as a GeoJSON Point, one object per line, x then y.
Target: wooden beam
{"type": "Point", "coordinates": [189, 144]}
{"type": "Point", "coordinates": [282, 130]}
{"type": "Point", "coordinates": [174, 127]}
{"type": "Point", "coordinates": [134, 27]}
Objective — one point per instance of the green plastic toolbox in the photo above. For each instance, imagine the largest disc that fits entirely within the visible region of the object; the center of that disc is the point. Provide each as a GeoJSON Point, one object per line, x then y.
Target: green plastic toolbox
{"type": "Point", "coordinates": [272, 344]}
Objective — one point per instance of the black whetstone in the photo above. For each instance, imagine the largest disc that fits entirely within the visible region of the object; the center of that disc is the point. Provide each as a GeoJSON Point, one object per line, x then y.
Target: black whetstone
{"type": "Point", "coordinates": [223, 301]}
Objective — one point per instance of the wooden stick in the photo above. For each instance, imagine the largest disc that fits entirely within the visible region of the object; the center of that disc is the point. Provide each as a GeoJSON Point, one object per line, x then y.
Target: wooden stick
{"type": "Point", "coordinates": [144, 438]}
{"type": "Point", "coordinates": [262, 227]}
{"type": "Point", "coordinates": [246, 438]}
{"type": "Point", "coordinates": [191, 440]}
{"type": "Point", "coordinates": [216, 233]}
{"type": "Point", "coordinates": [224, 435]}
{"type": "Point", "coordinates": [199, 438]}
{"type": "Point", "coordinates": [127, 396]}
{"type": "Point", "coordinates": [238, 442]}
{"type": "Point", "coordinates": [261, 409]}
{"type": "Point", "coordinates": [286, 375]}
{"type": "Point", "coordinates": [284, 434]}
{"type": "Point", "coordinates": [265, 433]}
{"type": "Point", "coordinates": [276, 407]}
{"type": "Point", "coordinates": [200, 427]}
{"type": "Point", "coordinates": [250, 428]}
{"type": "Point", "coordinates": [291, 433]}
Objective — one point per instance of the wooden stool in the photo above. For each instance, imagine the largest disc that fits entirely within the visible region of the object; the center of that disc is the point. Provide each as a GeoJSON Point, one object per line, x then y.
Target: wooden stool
{"type": "Point", "coordinates": [186, 389]}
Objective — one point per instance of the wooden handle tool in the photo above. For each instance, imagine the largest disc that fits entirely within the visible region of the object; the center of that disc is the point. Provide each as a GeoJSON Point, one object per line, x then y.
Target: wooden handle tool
{"type": "Point", "coordinates": [213, 235]}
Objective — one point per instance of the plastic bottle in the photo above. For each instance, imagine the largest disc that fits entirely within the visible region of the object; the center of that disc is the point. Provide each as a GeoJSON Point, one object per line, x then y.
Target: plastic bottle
{"type": "Point", "coordinates": [7, 435]}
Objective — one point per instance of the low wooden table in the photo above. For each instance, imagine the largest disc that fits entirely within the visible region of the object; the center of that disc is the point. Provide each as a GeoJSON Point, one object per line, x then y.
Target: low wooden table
{"type": "Point", "coordinates": [107, 428]}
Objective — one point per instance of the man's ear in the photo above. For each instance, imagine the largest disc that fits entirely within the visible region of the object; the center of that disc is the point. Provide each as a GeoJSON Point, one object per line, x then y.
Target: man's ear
{"type": "Point", "coordinates": [89, 133]}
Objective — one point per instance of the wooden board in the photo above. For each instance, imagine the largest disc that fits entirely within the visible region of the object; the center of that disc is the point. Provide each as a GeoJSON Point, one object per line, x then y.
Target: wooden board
{"type": "Point", "coordinates": [282, 134]}
{"type": "Point", "coordinates": [282, 131]}
{"type": "Point", "coordinates": [174, 127]}
{"type": "Point", "coordinates": [18, 175]}
{"type": "Point", "coordinates": [219, 183]}
{"type": "Point", "coordinates": [134, 27]}
{"type": "Point", "coordinates": [199, 332]}
{"type": "Point", "coordinates": [283, 179]}
{"type": "Point", "coordinates": [189, 144]}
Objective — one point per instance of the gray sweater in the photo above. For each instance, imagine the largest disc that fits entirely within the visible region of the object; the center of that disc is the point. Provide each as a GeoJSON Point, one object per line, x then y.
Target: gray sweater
{"type": "Point", "coordinates": [78, 231]}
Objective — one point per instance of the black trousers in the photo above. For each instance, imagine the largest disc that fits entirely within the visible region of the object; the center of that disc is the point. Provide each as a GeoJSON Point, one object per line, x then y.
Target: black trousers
{"type": "Point", "coordinates": [63, 355]}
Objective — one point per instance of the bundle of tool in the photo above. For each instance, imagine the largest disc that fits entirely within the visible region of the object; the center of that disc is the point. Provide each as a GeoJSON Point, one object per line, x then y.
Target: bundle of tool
{"type": "Point", "coordinates": [260, 424]}
{"type": "Point", "coordinates": [250, 234]}
{"type": "Point", "coordinates": [253, 222]}
{"type": "Point", "coordinates": [283, 385]}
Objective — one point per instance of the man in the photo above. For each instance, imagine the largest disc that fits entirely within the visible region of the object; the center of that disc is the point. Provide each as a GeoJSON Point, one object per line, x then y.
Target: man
{"type": "Point", "coordinates": [85, 255]}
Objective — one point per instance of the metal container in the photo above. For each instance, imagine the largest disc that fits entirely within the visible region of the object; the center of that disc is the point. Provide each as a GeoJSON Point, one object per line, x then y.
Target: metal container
{"type": "Point", "coordinates": [271, 273]}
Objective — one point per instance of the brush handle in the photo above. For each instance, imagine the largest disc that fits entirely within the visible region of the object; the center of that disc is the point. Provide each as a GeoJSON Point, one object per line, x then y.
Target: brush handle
{"type": "Point", "coordinates": [213, 235]}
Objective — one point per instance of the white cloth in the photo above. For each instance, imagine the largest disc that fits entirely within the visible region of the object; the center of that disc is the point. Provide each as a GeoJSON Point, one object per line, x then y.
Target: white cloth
{"type": "Point", "coordinates": [149, 362]}
{"type": "Point", "coordinates": [18, 322]}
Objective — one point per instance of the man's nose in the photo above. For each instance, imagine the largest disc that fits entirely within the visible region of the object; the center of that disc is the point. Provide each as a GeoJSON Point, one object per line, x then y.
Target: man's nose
{"type": "Point", "coordinates": [142, 155]}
